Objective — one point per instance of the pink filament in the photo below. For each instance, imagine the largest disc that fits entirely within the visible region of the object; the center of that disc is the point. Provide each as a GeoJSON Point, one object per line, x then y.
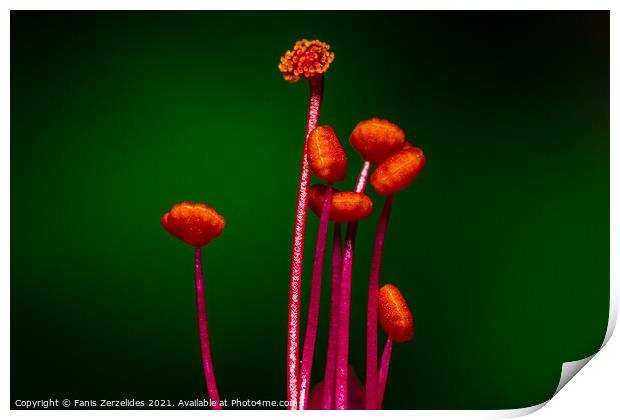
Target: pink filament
{"type": "Point", "coordinates": [362, 178]}
{"type": "Point", "coordinates": [342, 359]}
{"type": "Point", "coordinates": [203, 332]}
{"type": "Point", "coordinates": [315, 302]}
{"type": "Point", "coordinates": [383, 371]}
{"type": "Point", "coordinates": [330, 364]}
{"type": "Point", "coordinates": [294, 302]}
{"type": "Point", "coordinates": [373, 298]}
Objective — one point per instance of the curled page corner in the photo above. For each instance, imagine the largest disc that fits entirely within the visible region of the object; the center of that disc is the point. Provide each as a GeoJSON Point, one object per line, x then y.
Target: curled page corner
{"type": "Point", "coordinates": [570, 369]}
{"type": "Point", "coordinates": [520, 412]}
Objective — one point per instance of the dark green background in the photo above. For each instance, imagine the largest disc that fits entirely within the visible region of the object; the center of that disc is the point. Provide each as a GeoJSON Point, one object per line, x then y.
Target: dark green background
{"type": "Point", "coordinates": [501, 245]}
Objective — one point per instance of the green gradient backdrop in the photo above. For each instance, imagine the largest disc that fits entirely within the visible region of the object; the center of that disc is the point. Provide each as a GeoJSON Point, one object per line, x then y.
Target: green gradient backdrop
{"type": "Point", "coordinates": [501, 245]}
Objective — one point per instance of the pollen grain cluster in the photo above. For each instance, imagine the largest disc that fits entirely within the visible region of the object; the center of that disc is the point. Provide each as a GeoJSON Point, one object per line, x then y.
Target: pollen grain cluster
{"type": "Point", "coordinates": [307, 59]}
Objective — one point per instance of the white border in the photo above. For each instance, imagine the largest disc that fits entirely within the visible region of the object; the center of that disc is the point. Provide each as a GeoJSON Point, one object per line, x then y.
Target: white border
{"type": "Point", "coordinates": [311, 5]}
{"type": "Point", "coordinates": [595, 392]}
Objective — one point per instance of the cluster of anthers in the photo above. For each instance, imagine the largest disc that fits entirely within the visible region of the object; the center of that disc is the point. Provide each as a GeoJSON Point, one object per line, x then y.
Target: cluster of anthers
{"type": "Point", "coordinates": [397, 163]}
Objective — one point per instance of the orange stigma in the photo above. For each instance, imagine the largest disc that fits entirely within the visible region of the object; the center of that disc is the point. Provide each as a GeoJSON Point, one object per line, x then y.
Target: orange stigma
{"type": "Point", "coordinates": [398, 171]}
{"type": "Point", "coordinates": [307, 59]}
{"type": "Point", "coordinates": [376, 139]}
{"type": "Point", "coordinates": [347, 206]}
{"type": "Point", "coordinates": [394, 314]}
{"type": "Point", "coordinates": [196, 224]}
{"type": "Point", "coordinates": [325, 155]}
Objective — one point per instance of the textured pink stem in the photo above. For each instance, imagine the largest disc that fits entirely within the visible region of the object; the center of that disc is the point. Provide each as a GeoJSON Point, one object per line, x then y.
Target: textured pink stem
{"type": "Point", "coordinates": [343, 319]}
{"type": "Point", "coordinates": [315, 302]}
{"type": "Point", "coordinates": [294, 300]}
{"type": "Point", "coordinates": [363, 177]}
{"type": "Point", "coordinates": [342, 359]}
{"type": "Point", "coordinates": [383, 371]}
{"type": "Point", "coordinates": [373, 298]}
{"type": "Point", "coordinates": [203, 332]}
{"type": "Point", "coordinates": [330, 364]}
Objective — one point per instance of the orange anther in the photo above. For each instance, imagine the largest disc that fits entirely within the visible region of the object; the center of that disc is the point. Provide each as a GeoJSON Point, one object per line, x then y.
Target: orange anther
{"type": "Point", "coordinates": [325, 154]}
{"type": "Point", "coordinates": [307, 59]}
{"type": "Point", "coordinates": [394, 314]}
{"type": "Point", "coordinates": [196, 224]}
{"type": "Point", "coordinates": [347, 206]}
{"type": "Point", "coordinates": [376, 139]}
{"type": "Point", "coordinates": [398, 171]}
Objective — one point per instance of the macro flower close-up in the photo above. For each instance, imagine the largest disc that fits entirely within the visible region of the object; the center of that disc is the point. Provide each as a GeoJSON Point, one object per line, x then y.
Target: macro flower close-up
{"type": "Point", "coordinates": [306, 210]}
